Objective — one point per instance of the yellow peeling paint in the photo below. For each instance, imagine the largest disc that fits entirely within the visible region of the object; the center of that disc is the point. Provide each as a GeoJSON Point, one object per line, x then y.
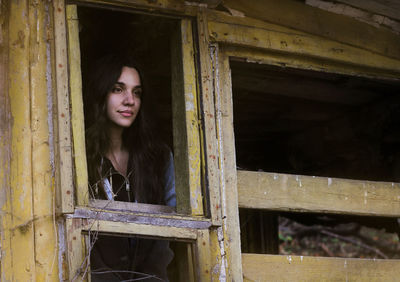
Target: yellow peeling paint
{"type": "Point", "coordinates": [187, 151]}
{"type": "Point", "coordinates": [29, 246]}
{"type": "Point", "coordinates": [19, 258]}
{"type": "Point", "coordinates": [191, 103]}
{"type": "Point", "coordinates": [46, 255]}
{"type": "Point", "coordinates": [77, 117]}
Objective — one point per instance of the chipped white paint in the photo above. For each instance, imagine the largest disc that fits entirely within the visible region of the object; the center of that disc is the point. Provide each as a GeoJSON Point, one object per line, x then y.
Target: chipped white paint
{"type": "Point", "coordinates": [276, 176]}
{"type": "Point", "coordinates": [301, 258]}
{"type": "Point", "coordinates": [219, 115]}
{"type": "Point", "coordinates": [61, 249]}
{"type": "Point", "coordinates": [50, 99]}
{"type": "Point", "coordinates": [298, 180]}
{"type": "Point", "coordinates": [365, 197]}
{"type": "Point", "coordinates": [289, 258]}
{"type": "Point", "coordinates": [329, 181]}
{"type": "Point", "coordinates": [222, 271]}
{"type": "Point", "coordinates": [265, 192]}
{"type": "Point", "coordinates": [189, 102]}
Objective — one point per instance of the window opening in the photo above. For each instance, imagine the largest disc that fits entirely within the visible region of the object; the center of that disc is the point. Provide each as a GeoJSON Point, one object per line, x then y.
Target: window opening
{"type": "Point", "coordinates": [318, 124]}
{"type": "Point", "coordinates": [312, 234]}
{"type": "Point", "coordinates": [339, 236]}
{"type": "Point", "coordinates": [313, 123]}
{"type": "Point", "coordinates": [145, 39]}
{"type": "Point", "coordinates": [125, 258]}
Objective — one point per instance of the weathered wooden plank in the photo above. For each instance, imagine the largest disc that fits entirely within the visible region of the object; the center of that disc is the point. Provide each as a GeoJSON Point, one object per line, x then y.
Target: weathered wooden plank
{"type": "Point", "coordinates": [19, 259]}
{"type": "Point", "coordinates": [143, 218]}
{"type": "Point", "coordinates": [114, 227]}
{"type": "Point", "coordinates": [217, 250]}
{"type": "Point", "coordinates": [203, 256]}
{"type": "Point", "coordinates": [43, 188]}
{"type": "Point", "coordinates": [386, 8]}
{"type": "Point", "coordinates": [343, 29]}
{"type": "Point", "coordinates": [258, 267]}
{"type": "Point", "coordinates": [63, 145]}
{"type": "Point", "coordinates": [127, 206]}
{"type": "Point", "coordinates": [298, 44]}
{"type": "Point", "coordinates": [227, 163]}
{"type": "Point", "coordinates": [78, 260]}
{"type": "Point", "coordinates": [186, 122]}
{"type": "Point", "coordinates": [177, 7]}
{"type": "Point", "coordinates": [280, 59]}
{"type": "Point", "coordinates": [208, 115]}
{"type": "Point", "coordinates": [363, 15]}
{"type": "Point", "coordinates": [5, 150]}
{"type": "Point", "coordinates": [274, 191]}
{"type": "Point", "coordinates": [77, 116]}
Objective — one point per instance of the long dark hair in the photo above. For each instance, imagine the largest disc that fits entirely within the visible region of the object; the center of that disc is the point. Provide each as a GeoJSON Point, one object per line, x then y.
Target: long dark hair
{"type": "Point", "coordinates": [147, 156]}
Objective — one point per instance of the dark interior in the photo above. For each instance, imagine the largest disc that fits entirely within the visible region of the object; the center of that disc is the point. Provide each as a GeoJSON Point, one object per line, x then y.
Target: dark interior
{"type": "Point", "coordinates": [315, 123]}
{"type": "Point", "coordinates": [144, 37]}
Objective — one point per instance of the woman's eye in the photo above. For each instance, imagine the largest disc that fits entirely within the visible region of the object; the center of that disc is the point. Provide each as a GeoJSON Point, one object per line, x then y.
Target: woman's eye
{"type": "Point", "coordinates": [137, 92]}
{"type": "Point", "coordinates": [117, 90]}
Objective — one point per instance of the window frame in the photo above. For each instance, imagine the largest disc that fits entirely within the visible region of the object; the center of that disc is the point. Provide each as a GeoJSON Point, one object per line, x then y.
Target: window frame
{"type": "Point", "coordinates": [187, 159]}
{"type": "Point", "coordinates": [200, 227]}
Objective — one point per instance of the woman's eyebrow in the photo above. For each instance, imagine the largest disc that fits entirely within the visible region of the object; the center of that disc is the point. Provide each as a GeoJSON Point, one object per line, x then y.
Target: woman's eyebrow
{"type": "Point", "coordinates": [120, 83]}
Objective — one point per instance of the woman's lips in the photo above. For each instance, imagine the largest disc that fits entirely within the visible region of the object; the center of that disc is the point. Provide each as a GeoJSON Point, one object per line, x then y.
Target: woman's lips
{"type": "Point", "coordinates": [126, 113]}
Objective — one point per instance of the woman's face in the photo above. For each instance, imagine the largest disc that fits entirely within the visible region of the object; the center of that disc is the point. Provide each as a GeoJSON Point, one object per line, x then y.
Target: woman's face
{"type": "Point", "coordinates": [123, 101]}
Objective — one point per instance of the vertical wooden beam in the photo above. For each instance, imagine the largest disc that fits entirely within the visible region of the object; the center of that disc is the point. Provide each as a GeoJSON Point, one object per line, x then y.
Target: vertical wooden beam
{"type": "Point", "coordinates": [77, 257]}
{"type": "Point", "coordinates": [63, 147]}
{"type": "Point", "coordinates": [77, 116]}
{"type": "Point", "coordinates": [208, 115]}
{"type": "Point", "coordinates": [203, 256]}
{"type": "Point", "coordinates": [43, 188]}
{"type": "Point", "coordinates": [5, 149]}
{"type": "Point", "coordinates": [18, 229]}
{"type": "Point", "coordinates": [227, 157]}
{"type": "Point", "coordinates": [186, 122]}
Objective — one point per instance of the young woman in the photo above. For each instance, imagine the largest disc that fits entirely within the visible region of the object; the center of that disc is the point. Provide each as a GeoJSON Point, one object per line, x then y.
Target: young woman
{"type": "Point", "coordinates": [125, 163]}
{"type": "Point", "coordinates": [121, 147]}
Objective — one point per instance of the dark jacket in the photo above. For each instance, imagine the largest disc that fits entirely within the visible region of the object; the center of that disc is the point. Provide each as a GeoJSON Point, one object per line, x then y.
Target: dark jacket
{"type": "Point", "coordinates": [115, 258]}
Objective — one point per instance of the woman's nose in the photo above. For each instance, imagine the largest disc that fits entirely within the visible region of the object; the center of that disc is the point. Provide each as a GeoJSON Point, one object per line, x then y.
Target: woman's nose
{"type": "Point", "coordinates": [129, 98]}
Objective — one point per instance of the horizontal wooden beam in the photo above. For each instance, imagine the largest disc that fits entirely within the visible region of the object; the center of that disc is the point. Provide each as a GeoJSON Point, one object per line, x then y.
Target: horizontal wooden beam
{"type": "Point", "coordinates": [142, 217]}
{"type": "Point", "coordinates": [172, 7]}
{"type": "Point", "coordinates": [258, 267]}
{"type": "Point", "coordinates": [281, 59]}
{"type": "Point", "coordinates": [167, 232]}
{"type": "Point", "coordinates": [295, 43]}
{"type": "Point", "coordinates": [389, 8]}
{"type": "Point", "coordinates": [128, 206]}
{"type": "Point", "coordinates": [284, 192]}
{"type": "Point", "coordinates": [297, 15]}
